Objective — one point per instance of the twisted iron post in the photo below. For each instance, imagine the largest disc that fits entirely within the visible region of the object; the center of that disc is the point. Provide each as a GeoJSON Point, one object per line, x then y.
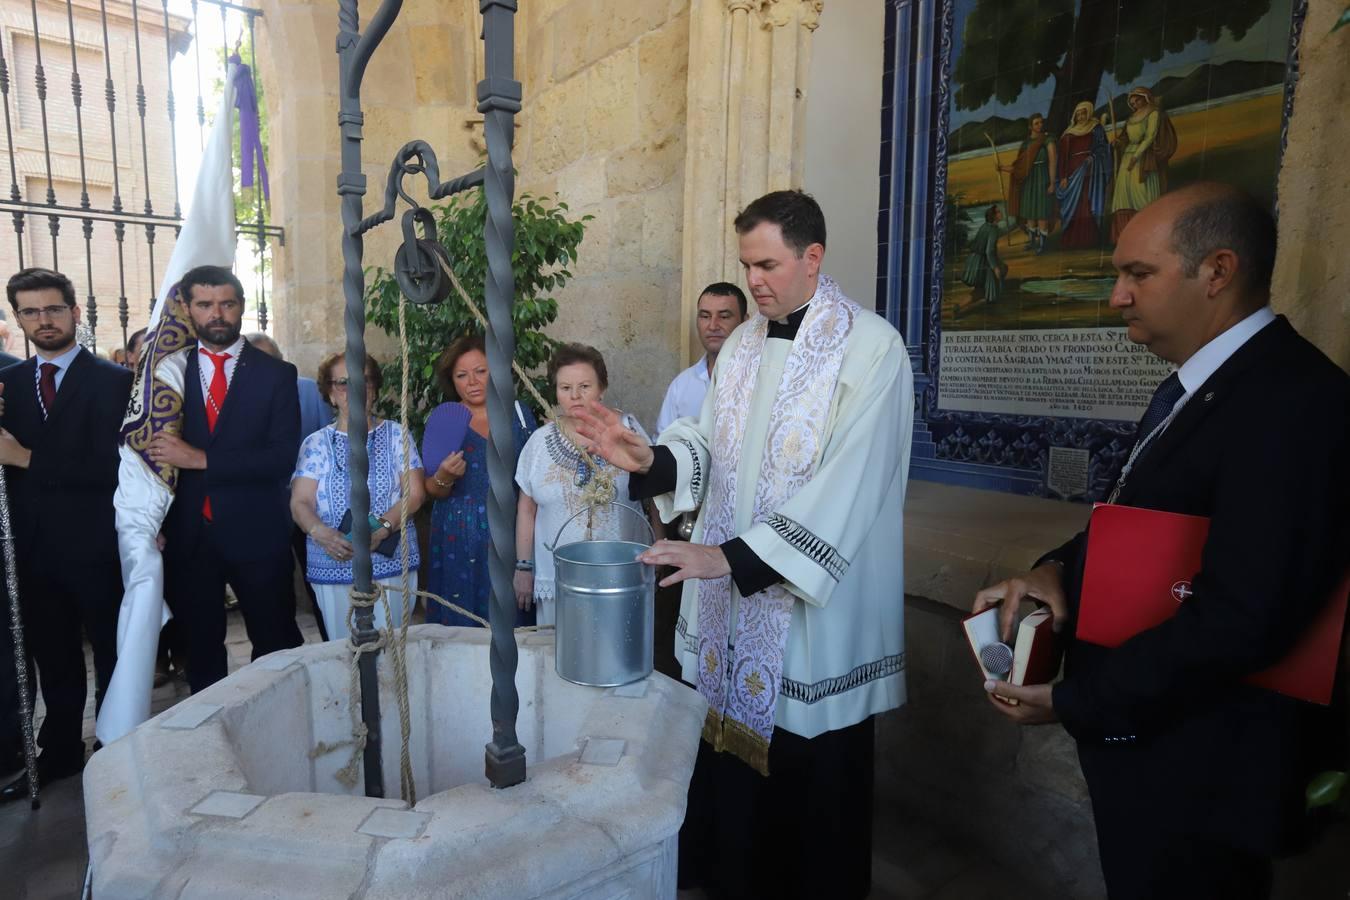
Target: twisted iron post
{"type": "Point", "coordinates": [354, 52]}
{"type": "Point", "coordinates": [499, 101]}
{"type": "Point", "coordinates": [419, 277]}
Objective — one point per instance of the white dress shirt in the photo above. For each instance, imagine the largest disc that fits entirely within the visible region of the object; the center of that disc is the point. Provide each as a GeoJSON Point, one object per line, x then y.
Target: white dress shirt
{"type": "Point", "coordinates": [206, 369]}
{"type": "Point", "coordinates": [684, 397]}
{"type": "Point", "coordinates": [61, 362]}
{"type": "Point", "coordinates": [1206, 361]}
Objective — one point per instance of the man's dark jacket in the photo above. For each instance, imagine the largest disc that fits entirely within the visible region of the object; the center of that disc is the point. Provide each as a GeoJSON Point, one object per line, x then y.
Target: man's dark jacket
{"type": "Point", "coordinates": [249, 460]}
{"type": "Point", "coordinates": [62, 504]}
{"type": "Point", "coordinates": [1169, 737]}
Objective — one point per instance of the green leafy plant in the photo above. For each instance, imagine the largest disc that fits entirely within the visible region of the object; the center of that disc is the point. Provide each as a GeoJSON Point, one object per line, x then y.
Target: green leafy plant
{"type": "Point", "coordinates": [546, 242]}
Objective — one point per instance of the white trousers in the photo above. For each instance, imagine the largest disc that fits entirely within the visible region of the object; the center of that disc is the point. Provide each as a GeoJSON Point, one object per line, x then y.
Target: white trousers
{"type": "Point", "coordinates": [334, 603]}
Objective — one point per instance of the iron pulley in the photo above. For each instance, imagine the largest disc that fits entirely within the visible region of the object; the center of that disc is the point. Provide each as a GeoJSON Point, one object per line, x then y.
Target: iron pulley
{"type": "Point", "coordinates": [417, 264]}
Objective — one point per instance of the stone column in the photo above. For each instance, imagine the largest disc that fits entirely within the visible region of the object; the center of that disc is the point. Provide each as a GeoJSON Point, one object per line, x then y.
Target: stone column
{"type": "Point", "coordinates": [1313, 263]}
{"type": "Point", "coordinates": [748, 67]}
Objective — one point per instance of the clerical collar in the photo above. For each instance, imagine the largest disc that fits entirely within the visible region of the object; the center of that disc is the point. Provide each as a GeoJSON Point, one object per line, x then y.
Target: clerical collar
{"type": "Point", "coordinates": [787, 330]}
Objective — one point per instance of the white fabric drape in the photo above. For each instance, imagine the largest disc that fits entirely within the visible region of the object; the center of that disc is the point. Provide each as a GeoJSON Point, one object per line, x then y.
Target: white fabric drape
{"type": "Point", "coordinates": [143, 498]}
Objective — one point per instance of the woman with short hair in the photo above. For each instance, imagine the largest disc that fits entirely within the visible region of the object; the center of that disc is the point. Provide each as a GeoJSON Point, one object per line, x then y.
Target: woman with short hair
{"type": "Point", "coordinates": [553, 475]}
{"type": "Point", "coordinates": [320, 491]}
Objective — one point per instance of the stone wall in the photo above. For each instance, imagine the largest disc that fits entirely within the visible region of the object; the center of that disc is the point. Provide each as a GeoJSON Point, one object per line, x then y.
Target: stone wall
{"type": "Point", "coordinates": [420, 84]}
{"type": "Point", "coordinates": [603, 127]}
{"type": "Point", "coordinates": [1312, 271]}
{"type": "Point", "coordinates": [842, 143]}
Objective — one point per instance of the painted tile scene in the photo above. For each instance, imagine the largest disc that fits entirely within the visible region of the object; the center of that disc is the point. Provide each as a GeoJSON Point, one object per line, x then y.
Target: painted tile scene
{"type": "Point", "coordinates": [1066, 116]}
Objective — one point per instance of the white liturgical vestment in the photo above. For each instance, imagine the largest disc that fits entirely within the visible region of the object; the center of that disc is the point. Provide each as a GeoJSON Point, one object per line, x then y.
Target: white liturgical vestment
{"type": "Point", "coordinates": [837, 542]}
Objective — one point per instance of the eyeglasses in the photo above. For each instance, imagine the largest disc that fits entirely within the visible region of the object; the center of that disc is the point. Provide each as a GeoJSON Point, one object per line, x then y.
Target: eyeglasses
{"type": "Point", "coordinates": [339, 382]}
{"type": "Point", "coordinates": [32, 313]}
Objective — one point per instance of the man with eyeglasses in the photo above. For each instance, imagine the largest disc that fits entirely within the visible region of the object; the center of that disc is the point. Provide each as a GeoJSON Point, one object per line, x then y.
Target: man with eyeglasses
{"type": "Point", "coordinates": [230, 521]}
{"type": "Point", "coordinates": [59, 424]}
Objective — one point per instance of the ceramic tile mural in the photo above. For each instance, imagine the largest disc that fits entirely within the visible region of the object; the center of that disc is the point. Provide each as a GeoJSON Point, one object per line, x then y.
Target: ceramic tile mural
{"type": "Point", "coordinates": [1067, 116]}
{"type": "Point", "coordinates": [1062, 118]}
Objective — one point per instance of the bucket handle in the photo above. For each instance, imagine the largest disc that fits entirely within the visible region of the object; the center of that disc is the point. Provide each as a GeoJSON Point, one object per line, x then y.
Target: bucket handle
{"type": "Point", "coordinates": [623, 506]}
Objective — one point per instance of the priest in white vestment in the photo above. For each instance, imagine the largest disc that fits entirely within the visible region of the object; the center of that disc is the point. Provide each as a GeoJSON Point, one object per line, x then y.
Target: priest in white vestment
{"type": "Point", "coordinates": [792, 616]}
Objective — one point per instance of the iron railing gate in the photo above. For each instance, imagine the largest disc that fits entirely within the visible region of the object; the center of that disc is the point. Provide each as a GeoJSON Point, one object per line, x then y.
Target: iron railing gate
{"type": "Point", "coordinates": [97, 170]}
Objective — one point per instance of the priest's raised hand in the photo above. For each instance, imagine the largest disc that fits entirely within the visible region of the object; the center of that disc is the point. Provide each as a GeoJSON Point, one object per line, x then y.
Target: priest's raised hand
{"type": "Point", "coordinates": [604, 434]}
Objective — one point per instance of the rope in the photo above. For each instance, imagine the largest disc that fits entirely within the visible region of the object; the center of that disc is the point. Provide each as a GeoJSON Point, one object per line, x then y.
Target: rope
{"type": "Point", "coordinates": [398, 650]}
{"type": "Point", "coordinates": [348, 774]}
{"type": "Point", "coordinates": [476, 619]}
{"type": "Point", "coordinates": [599, 491]}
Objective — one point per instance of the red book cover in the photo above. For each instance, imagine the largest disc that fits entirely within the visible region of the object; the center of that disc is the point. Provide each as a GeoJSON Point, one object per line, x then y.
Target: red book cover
{"type": "Point", "coordinates": [1036, 651]}
{"type": "Point", "coordinates": [1037, 654]}
{"type": "Point", "coordinates": [1140, 564]}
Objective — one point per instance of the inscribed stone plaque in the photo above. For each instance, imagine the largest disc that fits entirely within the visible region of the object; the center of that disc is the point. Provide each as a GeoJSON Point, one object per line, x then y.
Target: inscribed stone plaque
{"type": "Point", "coordinates": [1067, 474]}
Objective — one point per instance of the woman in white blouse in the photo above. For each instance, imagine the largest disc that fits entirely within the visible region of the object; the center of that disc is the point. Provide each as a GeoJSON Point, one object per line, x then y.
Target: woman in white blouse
{"type": "Point", "coordinates": [552, 476]}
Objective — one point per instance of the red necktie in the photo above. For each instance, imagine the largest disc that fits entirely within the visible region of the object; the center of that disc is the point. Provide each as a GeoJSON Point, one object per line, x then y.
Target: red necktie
{"type": "Point", "coordinates": [47, 387]}
{"type": "Point", "coordinates": [215, 400]}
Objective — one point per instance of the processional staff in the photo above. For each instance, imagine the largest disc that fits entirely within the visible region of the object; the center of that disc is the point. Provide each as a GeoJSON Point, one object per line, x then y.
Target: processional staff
{"type": "Point", "coordinates": [20, 651]}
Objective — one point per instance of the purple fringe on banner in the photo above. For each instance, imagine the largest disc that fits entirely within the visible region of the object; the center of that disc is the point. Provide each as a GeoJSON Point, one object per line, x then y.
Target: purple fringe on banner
{"type": "Point", "coordinates": [250, 140]}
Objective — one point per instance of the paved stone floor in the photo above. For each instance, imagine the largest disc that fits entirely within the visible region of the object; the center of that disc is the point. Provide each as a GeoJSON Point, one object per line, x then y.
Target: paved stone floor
{"type": "Point", "coordinates": [43, 854]}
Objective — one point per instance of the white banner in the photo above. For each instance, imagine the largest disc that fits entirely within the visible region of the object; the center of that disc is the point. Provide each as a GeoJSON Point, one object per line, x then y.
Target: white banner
{"type": "Point", "coordinates": [143, 498]}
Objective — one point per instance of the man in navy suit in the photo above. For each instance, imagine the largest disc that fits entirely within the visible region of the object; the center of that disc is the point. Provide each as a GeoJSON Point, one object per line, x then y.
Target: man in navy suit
{"type": "Point", "coordinates": [62, 415]}
{"type": "Point", "coordinates": [1196, 778]}
{"type": "Point", "coordinates": [230, 520]}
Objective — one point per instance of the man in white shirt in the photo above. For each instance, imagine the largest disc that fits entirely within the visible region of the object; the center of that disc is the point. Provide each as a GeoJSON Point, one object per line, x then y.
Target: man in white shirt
{"type": "Point", "coordinates": [721, 307]}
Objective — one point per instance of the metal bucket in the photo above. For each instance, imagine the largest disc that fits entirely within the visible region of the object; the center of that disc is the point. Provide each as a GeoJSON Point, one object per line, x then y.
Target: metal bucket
{"type": "Point", "coordinates": [605, 603]}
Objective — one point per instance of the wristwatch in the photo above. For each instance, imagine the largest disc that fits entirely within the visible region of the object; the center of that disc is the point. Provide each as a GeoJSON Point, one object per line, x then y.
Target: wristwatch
{"type": "Point", "coordinates": [524, 565]}
{"type": "Point", "coordinates": [385, 523]}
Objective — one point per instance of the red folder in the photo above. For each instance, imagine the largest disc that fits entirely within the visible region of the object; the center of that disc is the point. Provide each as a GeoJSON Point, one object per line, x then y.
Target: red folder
{"type": "Point", "coordinates": [1140, 564]}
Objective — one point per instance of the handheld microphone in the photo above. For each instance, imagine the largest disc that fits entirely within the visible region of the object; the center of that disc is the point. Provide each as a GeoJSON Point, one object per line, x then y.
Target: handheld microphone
{"type": "Point", "coordinates": [997, 659]}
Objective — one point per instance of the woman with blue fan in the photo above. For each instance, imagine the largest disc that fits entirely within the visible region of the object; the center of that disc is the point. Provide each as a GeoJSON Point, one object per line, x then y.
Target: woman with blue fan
{"type": "Point", "coordinates": [454, 452]}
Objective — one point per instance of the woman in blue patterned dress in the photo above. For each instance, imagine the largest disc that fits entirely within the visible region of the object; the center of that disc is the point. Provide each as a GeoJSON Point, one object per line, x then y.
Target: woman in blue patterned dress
{"type": "Point", "coordinates": [321, 488]}
{"type": "Point", "coordinates": [458, 481]}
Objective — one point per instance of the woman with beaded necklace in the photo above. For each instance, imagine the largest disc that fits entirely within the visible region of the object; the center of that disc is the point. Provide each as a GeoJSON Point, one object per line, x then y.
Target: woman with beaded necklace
{"type": "Point", "coordinates": [555, 480]}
